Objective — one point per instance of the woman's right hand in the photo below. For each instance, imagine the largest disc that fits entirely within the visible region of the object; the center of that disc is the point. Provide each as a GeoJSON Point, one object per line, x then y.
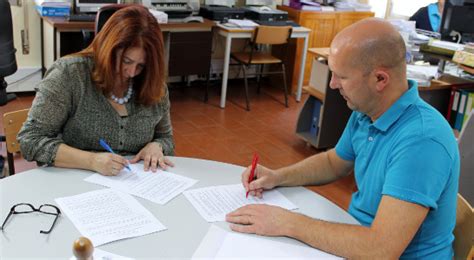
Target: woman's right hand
{"type": "Point", "coordinates": [266, 179]}
{"type": "Point", "coordinates": [108, 164]}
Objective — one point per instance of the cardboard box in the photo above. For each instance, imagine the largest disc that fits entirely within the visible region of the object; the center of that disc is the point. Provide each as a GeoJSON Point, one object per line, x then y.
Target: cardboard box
{"type": "Point", "coordinates": [53, 10]}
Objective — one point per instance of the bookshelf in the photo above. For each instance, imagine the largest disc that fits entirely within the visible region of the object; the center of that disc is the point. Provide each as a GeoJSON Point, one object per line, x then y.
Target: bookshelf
{"type": "Point", "coordinates": [324, 115]}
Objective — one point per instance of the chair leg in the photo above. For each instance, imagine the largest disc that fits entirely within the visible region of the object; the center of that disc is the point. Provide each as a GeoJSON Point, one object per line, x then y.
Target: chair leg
{"type": "Point", "coordinates": [244, 69]}
{"type": "Point", "coordinates": [206, 94]}
{"type": "Point", "coordinates": [11, 166]}
{"type": "Point", "coordinates": [260, 67]}
{"type": "Point", "coordinates": [284, 84]}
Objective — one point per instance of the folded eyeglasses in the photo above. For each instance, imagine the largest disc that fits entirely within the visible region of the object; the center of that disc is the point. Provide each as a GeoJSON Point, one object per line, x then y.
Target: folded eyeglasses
{"type": "Point", "coordinates": [24, 208]}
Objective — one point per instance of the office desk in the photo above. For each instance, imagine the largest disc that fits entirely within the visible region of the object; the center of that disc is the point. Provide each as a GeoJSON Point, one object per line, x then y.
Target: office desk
{"type": "Point", "coordinates": [186, 228]}
{"type": "Point", "coordinates": [234, 33]}
{"type": "Point", "coordinates": [65, 37]}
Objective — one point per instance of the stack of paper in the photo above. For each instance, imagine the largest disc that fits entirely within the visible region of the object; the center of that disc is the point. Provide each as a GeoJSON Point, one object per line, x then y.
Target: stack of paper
{"type": "Point", "coordinates": [220, 244]}
{"type": "Point", "coordinates": [108, 215]}
{"type": "Point", "coordinates": [241, 23]}
{"type": "Point", "coordinates": [213, 203]}
{"type": "Point", "coordinates": [159, 187]}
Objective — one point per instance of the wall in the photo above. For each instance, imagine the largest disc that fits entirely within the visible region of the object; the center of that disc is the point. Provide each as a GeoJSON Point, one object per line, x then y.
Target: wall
{"type": "Point", "coordinates": [29, 65]}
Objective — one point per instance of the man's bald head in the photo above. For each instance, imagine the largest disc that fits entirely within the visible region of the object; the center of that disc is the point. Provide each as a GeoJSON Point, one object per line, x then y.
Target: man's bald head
{"type": "Point", "coordinates": [371, 43]}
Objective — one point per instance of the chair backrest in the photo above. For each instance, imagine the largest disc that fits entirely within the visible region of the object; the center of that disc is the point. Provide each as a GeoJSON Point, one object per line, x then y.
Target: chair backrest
{"type": "Point", "coordinates": [104, 13]}
{"type": "Point", "coordinates": [466, 152]}
{"type": "Point", "coordinates": [464, 230]}
{"type": "Point", "coordinates": [12, 123]}
{"type": "Point", "coordinates": [272, 34]}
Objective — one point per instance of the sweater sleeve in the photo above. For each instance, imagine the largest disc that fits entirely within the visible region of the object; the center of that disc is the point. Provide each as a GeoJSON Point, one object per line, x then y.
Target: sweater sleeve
{"type": "Point", "coordinates": [41, 135]}
{"type": "Point", "coordinates": [163, 130]}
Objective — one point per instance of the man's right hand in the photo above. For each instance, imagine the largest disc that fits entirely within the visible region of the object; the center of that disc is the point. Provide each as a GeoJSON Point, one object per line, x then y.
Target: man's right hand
{"type": "Point", "coordinates": [108, 164]}
{"type": "Point", "coordinates": [265, 179]}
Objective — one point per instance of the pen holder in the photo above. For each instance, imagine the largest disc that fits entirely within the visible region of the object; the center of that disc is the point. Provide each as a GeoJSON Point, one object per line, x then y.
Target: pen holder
{"type": "Point", "coordinates": [83, 249]}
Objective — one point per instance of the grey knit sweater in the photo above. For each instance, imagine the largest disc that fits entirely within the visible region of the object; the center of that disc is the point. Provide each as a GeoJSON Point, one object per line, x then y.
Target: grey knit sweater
{"type": "Point", "coordinates": [69, 109]}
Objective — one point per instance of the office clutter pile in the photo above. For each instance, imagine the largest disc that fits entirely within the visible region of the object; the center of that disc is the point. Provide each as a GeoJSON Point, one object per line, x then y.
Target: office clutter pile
{"type": "Point", "coordinates": [328, 5]}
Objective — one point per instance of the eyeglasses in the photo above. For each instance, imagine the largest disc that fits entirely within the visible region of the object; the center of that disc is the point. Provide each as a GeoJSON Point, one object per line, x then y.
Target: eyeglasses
{"type": "Point", "coordinates": [24, 208]}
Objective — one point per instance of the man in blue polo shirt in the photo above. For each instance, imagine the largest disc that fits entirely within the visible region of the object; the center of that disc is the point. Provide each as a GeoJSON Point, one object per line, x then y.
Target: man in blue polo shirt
{"type": "Point", "coordinates": [402, 151]}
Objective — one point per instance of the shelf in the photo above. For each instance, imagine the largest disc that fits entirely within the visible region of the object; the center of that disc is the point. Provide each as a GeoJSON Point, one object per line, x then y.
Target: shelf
{"type": "Point", "coordinates": [308, 137]}
{"type": "Point", "coordinates": [466, 68]}
{"type": "Point", "coordinates": [319, 52]}
{"type": "Point", "coordinates": [315, 93]}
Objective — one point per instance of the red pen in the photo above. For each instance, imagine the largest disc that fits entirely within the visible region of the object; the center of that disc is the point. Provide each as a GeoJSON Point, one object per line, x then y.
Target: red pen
{"type": "Point", "coordinates": [252, 175]}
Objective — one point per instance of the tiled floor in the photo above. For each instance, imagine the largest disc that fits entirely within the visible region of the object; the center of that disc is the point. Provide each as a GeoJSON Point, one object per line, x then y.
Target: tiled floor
{"type": "Point", "coordinates": [232, 135]}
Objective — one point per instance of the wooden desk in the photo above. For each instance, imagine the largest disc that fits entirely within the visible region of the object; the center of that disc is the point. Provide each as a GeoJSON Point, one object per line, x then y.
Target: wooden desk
{"type": "Point", "coordinates": [65, 37]}
{"type": "Point", "coordinates": [235, 33]}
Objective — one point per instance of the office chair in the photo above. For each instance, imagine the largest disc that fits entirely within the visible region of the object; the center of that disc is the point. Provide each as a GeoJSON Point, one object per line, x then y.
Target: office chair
{"type": "Point", "coordinates": [12, 123]}
{"type": "Point", "coordinates": [104, 13]}
{"type": "Point", "coordinates": [264, 35]}
{"type": "Point", "coordinates": [464, 230]}
{"type": "Point", "coordinates": [7, 51]}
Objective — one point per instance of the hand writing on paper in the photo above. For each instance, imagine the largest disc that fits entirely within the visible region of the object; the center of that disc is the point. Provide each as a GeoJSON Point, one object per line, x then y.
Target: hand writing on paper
{"type": "Point", "coordinates": [266, 179]}
{"type": "Point", "coordinates": [261, 219]}
{"type": "Point", "coordinates": [152, 156]}
{"type": "Point", "coordinates": [108, 164]}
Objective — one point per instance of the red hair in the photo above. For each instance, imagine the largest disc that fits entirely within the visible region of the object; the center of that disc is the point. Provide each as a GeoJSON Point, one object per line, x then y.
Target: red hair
{"type": "Point", "coordinates": [130, 27]}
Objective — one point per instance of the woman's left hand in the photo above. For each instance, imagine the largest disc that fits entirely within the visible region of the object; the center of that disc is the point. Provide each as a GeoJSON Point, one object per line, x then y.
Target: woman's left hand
{"type": "Point", "coordinates": [152, 156]}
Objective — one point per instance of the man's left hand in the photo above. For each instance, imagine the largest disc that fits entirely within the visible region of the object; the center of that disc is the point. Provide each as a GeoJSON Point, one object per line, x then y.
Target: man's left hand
{"type": "Point", "coordinates": [152, 156]}
{"type": "Point", "coordinates": [261, 219]}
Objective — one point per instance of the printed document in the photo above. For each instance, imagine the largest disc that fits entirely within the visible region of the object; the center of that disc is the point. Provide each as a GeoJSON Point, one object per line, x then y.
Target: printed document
{"type": "Point", "coordinates": [213, 203]}
{"type": "Point", "coordinates": [159, 187]}
{"type": "Point", "coordinates": [100, 254]}
{"type": "Point", "coordinates": [108, 215]}
{"type": "Point", "coordinates": [221, 244]}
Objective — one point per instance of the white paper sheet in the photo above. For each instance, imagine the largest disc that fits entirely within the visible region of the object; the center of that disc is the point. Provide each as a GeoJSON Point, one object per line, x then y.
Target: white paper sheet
{"type": "Point", "coordinates": [220, 244]}
{"type": "Point", "coordinates": [159, 187]}
{"type": "Point", "coordinates": [108, 215]}
{"type": "Point", "coordinates": [100, 254]}
{"type": "Point", "coordinates": [213, 203]}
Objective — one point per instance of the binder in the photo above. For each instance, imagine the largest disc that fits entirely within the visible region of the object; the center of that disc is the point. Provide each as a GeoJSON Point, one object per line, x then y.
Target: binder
{"type": "Point", "coordinates": [315, 118]}
{"type": "Point", "coordinates": [454, 108]}
{"type": "Point", "coordinates": [469, 106]}
{"type": "Point", "coordinates": [460, 113]}
{"type": "Point", "coordinates": [451, 100]}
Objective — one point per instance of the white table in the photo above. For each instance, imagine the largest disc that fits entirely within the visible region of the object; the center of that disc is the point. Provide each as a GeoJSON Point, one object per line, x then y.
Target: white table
{"type": "Point", "coordinates": [234, 33]}
{"type": "Point", "coordinates": [186, 228]}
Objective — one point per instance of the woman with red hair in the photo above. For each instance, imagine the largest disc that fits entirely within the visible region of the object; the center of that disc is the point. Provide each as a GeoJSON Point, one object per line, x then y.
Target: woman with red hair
{"type": "Point", "coordinates": [113, 90]}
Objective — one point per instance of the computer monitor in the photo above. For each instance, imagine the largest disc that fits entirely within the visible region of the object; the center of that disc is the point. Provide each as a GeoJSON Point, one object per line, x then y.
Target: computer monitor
{"type": "Point", "coordinates": [92, 6]}
{"type": "Point", "coordinates": [457, 24]}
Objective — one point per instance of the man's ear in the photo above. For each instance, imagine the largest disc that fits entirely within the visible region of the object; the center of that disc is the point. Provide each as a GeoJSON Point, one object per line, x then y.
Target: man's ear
{"type": "Point", "coordinates": [382, 79]}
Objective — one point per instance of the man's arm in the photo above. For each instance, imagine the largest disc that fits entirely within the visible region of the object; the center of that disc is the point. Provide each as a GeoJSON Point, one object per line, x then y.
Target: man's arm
{"type": "Point", "coordinates": [393, 228]}
{"type": "Point", "coordinates": [318, 169]}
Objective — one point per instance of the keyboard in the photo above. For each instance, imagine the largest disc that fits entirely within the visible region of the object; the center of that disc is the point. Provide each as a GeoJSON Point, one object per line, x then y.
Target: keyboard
{"type": "Point", "coordinates": [81, 17]}
{"type": "Point", "coordinates": [278, 23]}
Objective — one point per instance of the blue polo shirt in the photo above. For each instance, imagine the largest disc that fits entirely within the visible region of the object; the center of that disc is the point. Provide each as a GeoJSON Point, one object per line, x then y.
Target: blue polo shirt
{"type": "Point", "coordinates": [408, 153]}
{"type": "Point", "coordinates": [434, 16]}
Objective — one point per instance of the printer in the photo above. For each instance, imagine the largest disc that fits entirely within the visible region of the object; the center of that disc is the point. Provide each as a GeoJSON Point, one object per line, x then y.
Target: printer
{"type": "Point", "coordinates": [263, 10]}
{"type": "Point", "coordinates": [176, 9]}
{"type": "Point", "coordinates": [221, 10]}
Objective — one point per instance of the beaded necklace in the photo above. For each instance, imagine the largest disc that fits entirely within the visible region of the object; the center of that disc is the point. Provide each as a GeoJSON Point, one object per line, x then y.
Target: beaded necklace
{"type": "Point", "coordinates": [124, 99]}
